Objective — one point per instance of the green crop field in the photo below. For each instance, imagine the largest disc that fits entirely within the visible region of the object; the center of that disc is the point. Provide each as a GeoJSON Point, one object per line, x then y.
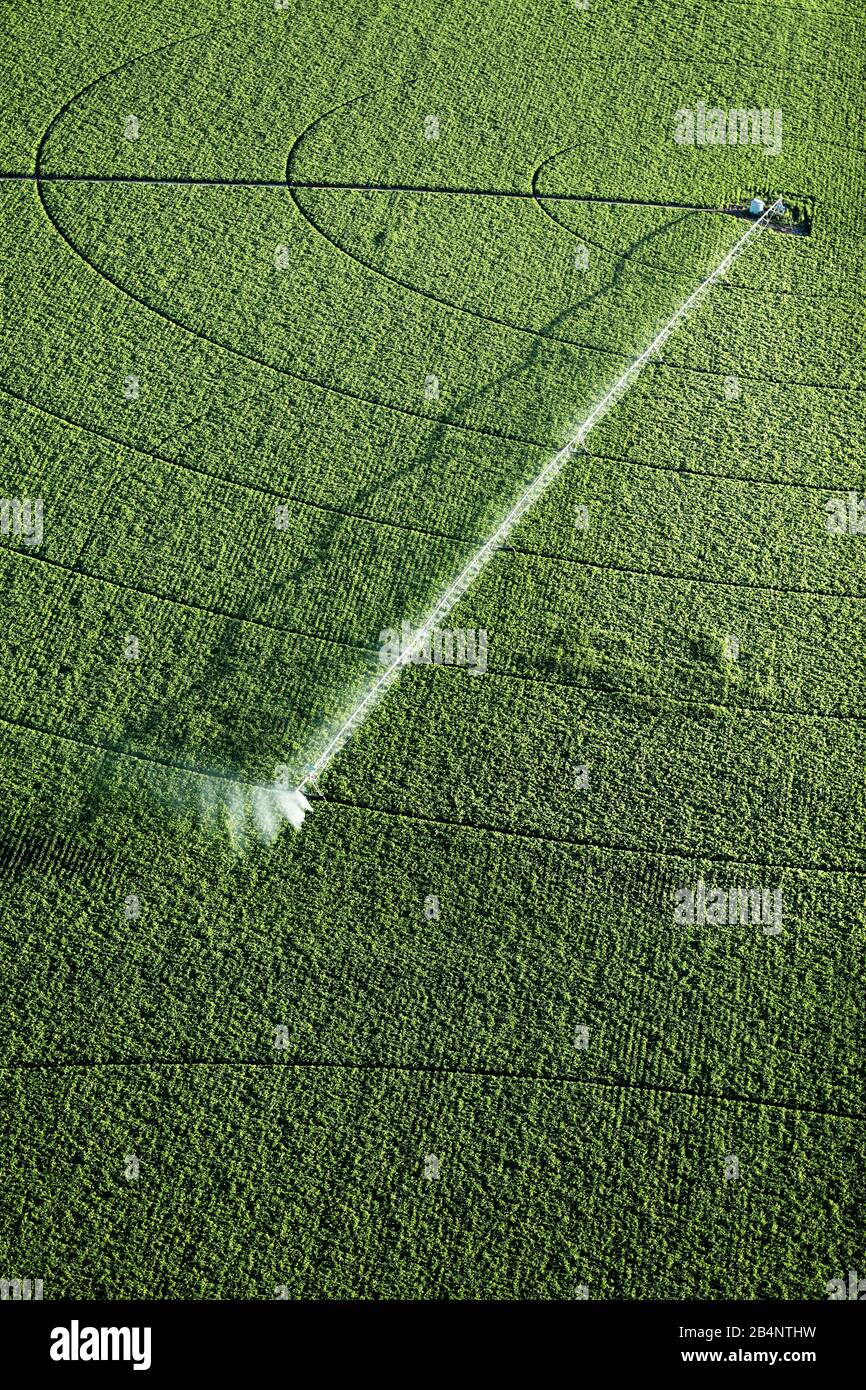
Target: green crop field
{"type": "Point", "coordinates": [297, 300]}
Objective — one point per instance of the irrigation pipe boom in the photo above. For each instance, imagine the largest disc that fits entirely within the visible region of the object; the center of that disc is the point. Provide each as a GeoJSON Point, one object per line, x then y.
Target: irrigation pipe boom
{"type": "Point", "coordinates": [294, 803]}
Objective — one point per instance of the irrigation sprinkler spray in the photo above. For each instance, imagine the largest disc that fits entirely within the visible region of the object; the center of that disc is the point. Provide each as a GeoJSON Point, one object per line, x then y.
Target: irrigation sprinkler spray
{"type": "Point", "coordinates": [293, 804]}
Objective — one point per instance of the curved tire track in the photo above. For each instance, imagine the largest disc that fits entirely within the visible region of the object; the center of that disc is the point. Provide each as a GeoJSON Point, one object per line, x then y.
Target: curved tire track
{"type": "Point", "coordinates": [650, 268]}
{"type": "Point", "coordinates": [227, 481]}
{"type": "Point", "coordinates": [434, 1069]}
{"type": "Point", "coordinates": [449, 304]}
{"type": "Point", "coordinates": [509, 324]}
{"type": "Point", "coordinates": [641, 851]}
{"type": "Point", "coordinates": [239, 353]}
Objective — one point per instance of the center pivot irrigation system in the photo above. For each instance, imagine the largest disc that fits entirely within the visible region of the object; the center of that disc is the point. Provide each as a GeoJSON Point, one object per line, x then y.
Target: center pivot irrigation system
{"type": "Point", "coordinates": [293, 804]}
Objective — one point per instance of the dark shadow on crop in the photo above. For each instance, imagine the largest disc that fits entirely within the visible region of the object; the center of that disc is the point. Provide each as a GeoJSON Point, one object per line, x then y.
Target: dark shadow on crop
{"type": "Point", "coordinates": [252, 728]}
{"type": "Point", "coordinates": [325, 546]}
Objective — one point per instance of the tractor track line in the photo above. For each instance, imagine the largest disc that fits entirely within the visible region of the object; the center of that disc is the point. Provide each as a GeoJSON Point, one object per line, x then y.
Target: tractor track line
{"type": "Point", "coordinates": [527, 677]}
{"type": "Point", "coordinates": [326, 186]}
{"type": "Point", "coordinates": [672, 577]}
{"type": "Point", "coordinates": [435, 422]}
{"type": "Point", "coordinates": [661, 698]}
{"type": "Point", "coordinates": [228, 481]}
{"type": "Point", "coordinates": [432, 1069]}
{"type": "Point", "coordinates": [338, 186]}
{"type": "Point", "coordinates": [642, 464]}
{"type": "Point", "coordinates": [338, 802]}
{"type": "Point", "coordinates": [162, 597]}
{"type": "Point", "coordinates": [554, 559]}
{"type": "Point", "coordinates": [632, 697]}
{"type": "Point", "coordinates": [589, 842]}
